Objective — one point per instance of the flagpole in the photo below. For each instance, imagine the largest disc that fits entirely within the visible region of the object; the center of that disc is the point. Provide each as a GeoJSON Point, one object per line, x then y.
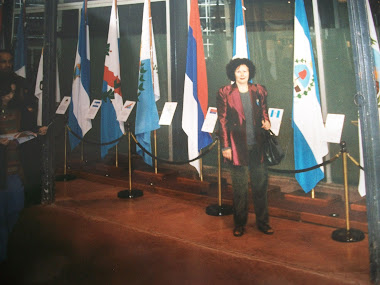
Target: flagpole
{"type": "Point", "coordinates": [321, 77]}
{"type": "Point", "coordinates": [152, 68]}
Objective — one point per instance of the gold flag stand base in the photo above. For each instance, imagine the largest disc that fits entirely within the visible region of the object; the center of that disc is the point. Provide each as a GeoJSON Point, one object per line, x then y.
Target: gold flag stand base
{"type": "Point", "coordinates": [347, 234]}
{"type": "Point", "coordinates": [219, 209]}
{"type": "Point", "coordinates": [344, 235]}
{"type": "Point", "coordinates": [130, 193]}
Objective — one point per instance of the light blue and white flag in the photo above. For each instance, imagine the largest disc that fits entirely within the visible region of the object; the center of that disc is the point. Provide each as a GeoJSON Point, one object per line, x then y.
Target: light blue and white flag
{"type": "Point", "coordinates": [20, 50]}
{"type": "Point", "coordinates": [80, 94]}
{"type": "Point", "coordinates": [111, 129]}
{"type": "Point", "coordinates": [241, 47]}
{"type": "Point", "coordinates": [148, 88]}
{"type": "Point", "coordinates": [310, 144]}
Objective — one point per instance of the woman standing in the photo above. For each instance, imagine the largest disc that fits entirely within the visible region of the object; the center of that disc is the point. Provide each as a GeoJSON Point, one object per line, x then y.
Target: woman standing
{"type": "Point", "coordinates": [242, 114]}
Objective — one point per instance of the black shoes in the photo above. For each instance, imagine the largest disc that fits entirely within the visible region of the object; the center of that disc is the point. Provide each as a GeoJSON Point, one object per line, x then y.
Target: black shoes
{"type": "Point", "coordinates": [266, 229]}
{"type": "Point", "coordinates": [239, 231]}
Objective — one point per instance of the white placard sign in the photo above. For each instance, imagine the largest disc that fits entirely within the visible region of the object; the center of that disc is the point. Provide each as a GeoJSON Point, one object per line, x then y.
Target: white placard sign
{"type": "Point", "coordinates": [94, 108]}
{"type": "Point", "coordinates": [334, 127]}
{"type": "Point", "coordinates": [167, 113]}
{"type": "Point", "coordinates": [62, 108]}
{"type": "Point", "coordinates": [210, 120]}
{"type": "Point", "coordinates": [126, 110]}
{"type": "Point", "coordinates": [275, 117]}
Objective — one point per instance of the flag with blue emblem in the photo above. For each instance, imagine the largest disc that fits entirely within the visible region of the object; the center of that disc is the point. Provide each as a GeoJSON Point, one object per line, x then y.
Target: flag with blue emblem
{"type": "Point", "coordinates": [310, 144]}
{"type": "Point", "coordinates": [20, 50]}
{"type": "Point", "coordinates": [148, 87]}
{"type": "Point", "coordinates": [111, 129]}
{"type": "Point", "coordinates": [195, 97]}
{"type": "Point", "coordinates": [80, 94]}
{"type": "Point", "coordinates": [240, 47]}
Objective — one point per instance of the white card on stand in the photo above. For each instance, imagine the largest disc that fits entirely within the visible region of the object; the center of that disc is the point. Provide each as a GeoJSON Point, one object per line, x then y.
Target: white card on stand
{"type": "Point", "coordinates": [275, 117]}
{"type": "Point", "coordinates": [334, 127]}
{"type": "Point", "coordinates": [62, 108]}
{"type": "Point", "coordinates": [210, 120]}
{"type": "Point", "coordinates": [126, 111]}
{"type": "Point", "coordinates": [167, 113]}
{"type": "Point", "coordinates": [94, 108]}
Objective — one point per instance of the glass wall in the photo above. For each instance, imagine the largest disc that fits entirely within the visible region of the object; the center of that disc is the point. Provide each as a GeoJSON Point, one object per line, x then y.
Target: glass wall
{"type": "Point", "coordinates": [130, 21]}
{"type": "Point", "coordinates": [270, 35]}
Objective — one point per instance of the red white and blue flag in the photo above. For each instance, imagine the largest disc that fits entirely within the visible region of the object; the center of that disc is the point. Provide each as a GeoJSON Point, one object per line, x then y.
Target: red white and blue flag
{"type": "Point", "coordinates": [148, 89]}
{"type": "Point", "coordinates": [80, 94]}
{"type": "Point", "coordinates": [111, 129]}
{"type": "Point", "coordinates": [195, 98]}
{"type": "Point", "coordinates": [310, 144]}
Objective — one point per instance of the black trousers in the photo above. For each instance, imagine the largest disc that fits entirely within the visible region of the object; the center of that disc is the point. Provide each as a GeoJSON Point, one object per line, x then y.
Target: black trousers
{"type": "Point", "coordinates": [258, 174]}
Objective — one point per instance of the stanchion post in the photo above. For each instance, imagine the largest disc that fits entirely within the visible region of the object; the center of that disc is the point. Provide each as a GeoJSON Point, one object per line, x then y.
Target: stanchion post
{"type": "Point", "coordinates": [65, 155]}
{"type": "Point", "coordinates": [200, 167]}
{"type": "Point", "coordinates": [130, 193]}
{"type": "Point", "coordinates": [117, 157]}
{"type": "Point", "coordinates": [347, 234]}
{"type": "Point", "coordinates": [219, 209]}
{"type": "Point", "coordinates": [65, 176]}
{"type": "Point", "coordinates": [81, 151]}
{"type": "Point", "coordinates": [155, 151]}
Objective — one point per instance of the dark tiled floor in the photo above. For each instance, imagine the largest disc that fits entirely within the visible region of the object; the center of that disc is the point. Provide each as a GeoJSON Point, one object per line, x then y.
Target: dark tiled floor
{"type": "Point", "coordinates": [89, 236]}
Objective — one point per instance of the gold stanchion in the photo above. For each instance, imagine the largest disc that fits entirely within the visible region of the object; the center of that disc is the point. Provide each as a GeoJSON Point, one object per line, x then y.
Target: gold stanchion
{"type": "Point", "coordinates": [219, 209]}
{"type": "Point", "coordinates": [155, 151]}
{"type": "Point", "coordinates": [81, 151]}
{"type": "Point", "coordinates": [200, 167]}
{"type": "Point", "coordinates": [130, 193]}
{"type": "Point", "coordinates": [347, 234]}
{"type": "Point", "coordinates": [65, 176]}
{"type": "Point", "coordinates": [65, 157]}
{"type": "Point", "coordinates": [312, 194]}
{"type": "Point", "coordinates": [117, 157]}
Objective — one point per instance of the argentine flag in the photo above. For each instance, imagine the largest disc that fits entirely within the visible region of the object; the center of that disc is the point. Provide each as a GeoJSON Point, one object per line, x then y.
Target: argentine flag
{"type": "Point", "coordinates": [310, 145]}
{"type": "Point", "coordinates": [148, 87]}
{"type": "Point", "coordinates": [241, 48]}
{"type": "Point", "coordinates": [195, 97]}
{"type": "Point", "coordinates": [80, 98]}
{"type": "Point", "coordinates": [111, 129]}
{"type": "Point", "coordinates": [20, 50]}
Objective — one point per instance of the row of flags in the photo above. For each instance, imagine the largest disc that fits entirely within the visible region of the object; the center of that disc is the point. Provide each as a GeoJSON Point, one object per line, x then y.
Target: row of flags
{"type": "Point", "coordinates": [310, 145]}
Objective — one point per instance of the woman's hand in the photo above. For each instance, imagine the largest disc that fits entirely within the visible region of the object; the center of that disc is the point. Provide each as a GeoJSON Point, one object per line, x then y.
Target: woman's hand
{"type": "Point", "coordinates": [42, 131]}
{"type": "Point", "coordinates": [4, 141]}
{"type": "Point", "coordinates": [227, 153]}
{"type": "Point", "coordinates": [265, 125]}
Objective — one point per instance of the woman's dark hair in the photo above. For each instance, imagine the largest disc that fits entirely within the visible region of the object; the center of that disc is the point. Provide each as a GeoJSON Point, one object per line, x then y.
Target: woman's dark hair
{"type": "Point", "coordinates": [235, 63]}
{"type": "Point", "coordinates": [5, 87]}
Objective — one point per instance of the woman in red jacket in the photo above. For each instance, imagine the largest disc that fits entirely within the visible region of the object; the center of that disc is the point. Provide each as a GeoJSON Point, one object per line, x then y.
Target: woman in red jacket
{"type": "Point", "coordinates": [242, 114]}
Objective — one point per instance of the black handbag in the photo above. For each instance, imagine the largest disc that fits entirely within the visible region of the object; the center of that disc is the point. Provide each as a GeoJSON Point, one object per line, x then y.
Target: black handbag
{"type": "Point", "coordinates": [273, 153]}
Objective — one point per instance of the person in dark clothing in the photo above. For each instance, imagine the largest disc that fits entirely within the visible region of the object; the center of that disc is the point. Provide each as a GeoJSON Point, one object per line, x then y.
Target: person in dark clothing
{"type": "Point", "coordinates": [14, 118]}
{"type": "Point", "coordinates": [242, 114]}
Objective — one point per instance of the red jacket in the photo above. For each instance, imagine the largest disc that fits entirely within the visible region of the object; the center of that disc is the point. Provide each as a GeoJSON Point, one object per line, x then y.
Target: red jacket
{"type": "Point", "coordinates": [232, 131]}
